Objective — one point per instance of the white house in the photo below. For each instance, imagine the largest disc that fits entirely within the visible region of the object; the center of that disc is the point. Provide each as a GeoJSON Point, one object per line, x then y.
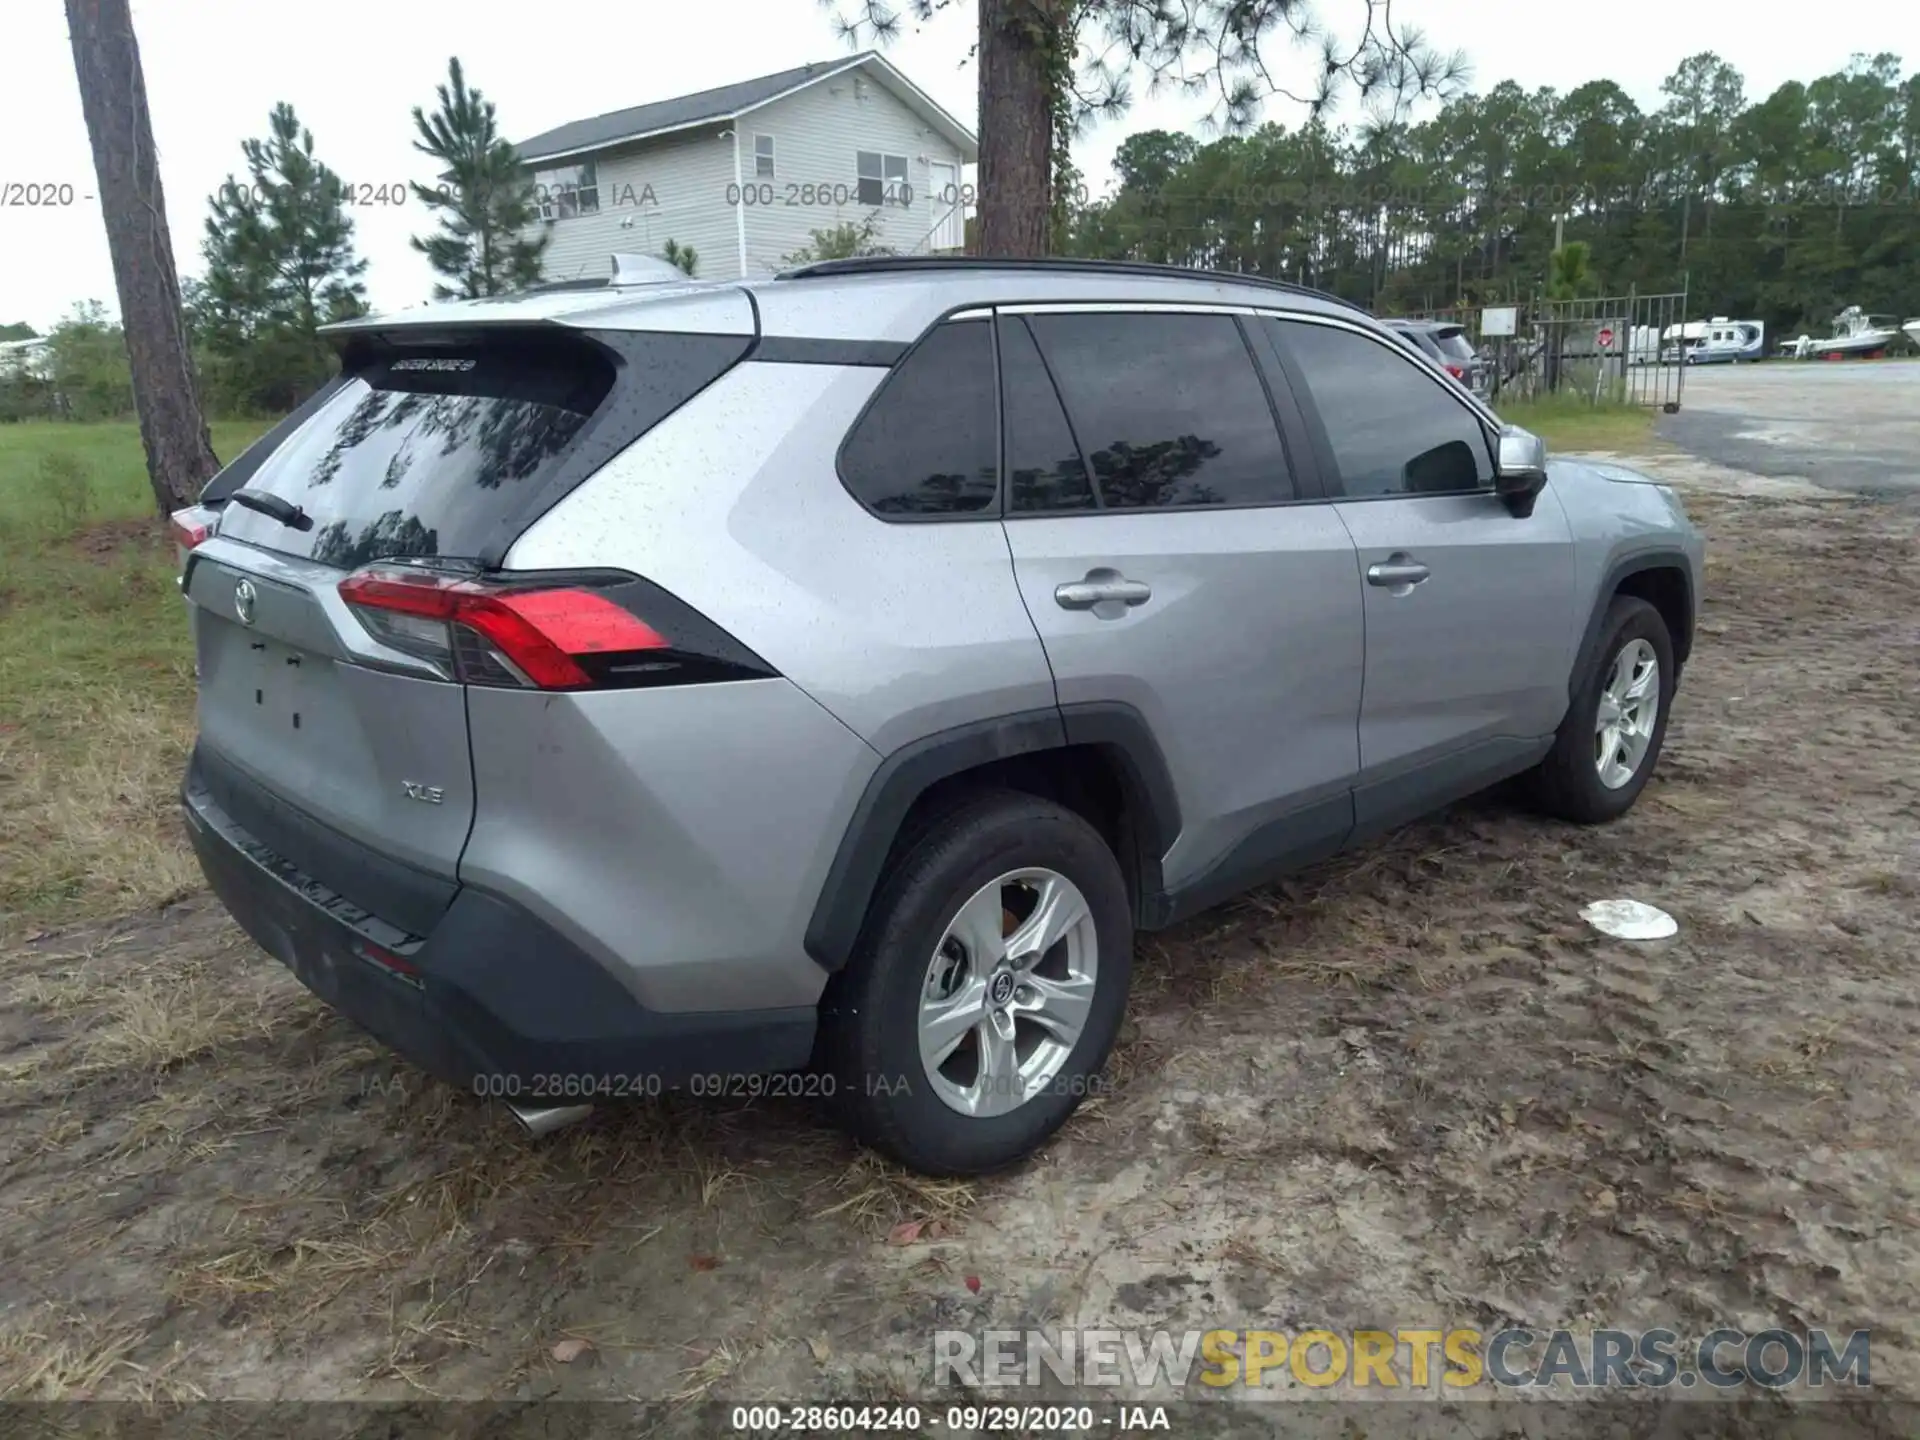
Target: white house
{"type": "Point", "coordinates": [25, 358]}
{"type": "Point", "coordinates": [744, 174]}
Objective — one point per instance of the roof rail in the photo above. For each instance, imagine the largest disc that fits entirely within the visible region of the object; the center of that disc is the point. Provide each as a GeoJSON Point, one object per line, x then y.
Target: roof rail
{"type": "Point", "coordinates": [896, 264]}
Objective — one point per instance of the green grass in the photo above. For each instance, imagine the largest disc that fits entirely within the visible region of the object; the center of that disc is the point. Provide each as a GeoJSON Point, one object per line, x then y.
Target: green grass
{"type": "Point", "coordinates": [1570, 424]}
{"type": "Point", "coordinates": [96, 675]}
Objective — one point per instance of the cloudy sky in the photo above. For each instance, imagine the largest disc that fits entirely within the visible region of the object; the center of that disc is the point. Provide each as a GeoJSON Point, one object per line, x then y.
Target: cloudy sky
{"type": "Point", "coordinates": [353, 69]}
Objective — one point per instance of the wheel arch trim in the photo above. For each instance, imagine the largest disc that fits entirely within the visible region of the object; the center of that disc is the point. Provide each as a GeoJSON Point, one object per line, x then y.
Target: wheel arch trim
{"type": "Point", "coordinates": [1619, 571]}
{"type": "Point", "coordinates": [909, 772]}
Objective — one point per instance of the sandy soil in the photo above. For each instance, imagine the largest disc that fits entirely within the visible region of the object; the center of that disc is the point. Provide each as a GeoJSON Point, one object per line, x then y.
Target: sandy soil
{"type": "Point", "coordinates": [1409, 1087]}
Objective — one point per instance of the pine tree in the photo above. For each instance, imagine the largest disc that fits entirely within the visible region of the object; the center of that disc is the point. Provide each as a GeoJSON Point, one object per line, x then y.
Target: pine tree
{"type": "Point", "coordinates": [484, 200]}
{"type": "Point", "coordinates": [684, 257]}
{"type": "Point", "coordinates": [280, 264]}
{"type": "Point", "coordinates": [1048, 66]}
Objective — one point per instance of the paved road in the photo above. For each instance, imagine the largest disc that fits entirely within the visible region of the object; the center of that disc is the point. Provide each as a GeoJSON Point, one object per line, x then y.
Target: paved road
{"type": "Point", "coordinates": [1844, 425]}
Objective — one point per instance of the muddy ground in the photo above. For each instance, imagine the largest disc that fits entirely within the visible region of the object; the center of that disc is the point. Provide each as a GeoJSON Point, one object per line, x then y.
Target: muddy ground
{"type": "Point", "coordinates": [1410, 1087]}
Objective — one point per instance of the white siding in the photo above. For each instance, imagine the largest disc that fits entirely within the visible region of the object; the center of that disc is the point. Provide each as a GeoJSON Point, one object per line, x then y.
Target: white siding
{"type": "Point", "coordinates": [673, 188]}
{"type": "Point", "coordinates": [817, 133]}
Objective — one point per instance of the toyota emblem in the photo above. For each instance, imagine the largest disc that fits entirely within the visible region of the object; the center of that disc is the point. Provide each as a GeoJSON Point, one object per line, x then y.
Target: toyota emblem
{"type": "Point", "coordinates": [243, 597]}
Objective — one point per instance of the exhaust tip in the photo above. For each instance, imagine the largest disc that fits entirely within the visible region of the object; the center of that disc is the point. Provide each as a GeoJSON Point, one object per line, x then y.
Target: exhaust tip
{"type": "Point", "coordinates": [546, 1121]}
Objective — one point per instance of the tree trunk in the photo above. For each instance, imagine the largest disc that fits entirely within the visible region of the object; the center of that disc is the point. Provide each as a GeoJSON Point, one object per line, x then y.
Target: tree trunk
{"type": "Point", "coordinates": [1016, 127]}
{"type": "Point", "coordinates": [113, 97]}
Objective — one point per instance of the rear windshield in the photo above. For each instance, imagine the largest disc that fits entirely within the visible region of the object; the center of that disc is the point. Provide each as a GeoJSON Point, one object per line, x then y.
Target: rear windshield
{"type": "Point", "coordinates": [427, 454]}
{"type": "Point", "coordinates": [1454, 344]}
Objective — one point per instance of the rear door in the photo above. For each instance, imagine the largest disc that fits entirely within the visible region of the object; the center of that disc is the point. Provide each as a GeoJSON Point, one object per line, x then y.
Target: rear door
{"type": "Point", "coordinates": [338, 745]}
{"type": "Point", "coordinates": [1469, 609]}
{"type": "Point", "coordinates": [320, 752]}
{"type": "Point", "coordinates": [1176, 560]}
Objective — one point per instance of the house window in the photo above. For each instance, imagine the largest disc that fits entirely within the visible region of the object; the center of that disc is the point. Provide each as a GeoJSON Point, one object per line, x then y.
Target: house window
{"type": "Point", "coordinates": [763, 157]}
{"type": "Point", "coordinates": [566, 192]}
{"type": "Point", "coordinates": [883, 178]}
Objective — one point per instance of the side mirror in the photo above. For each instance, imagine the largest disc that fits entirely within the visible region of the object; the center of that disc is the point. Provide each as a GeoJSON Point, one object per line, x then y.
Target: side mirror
{"type": "Point", "coordinates": [1520, 470]}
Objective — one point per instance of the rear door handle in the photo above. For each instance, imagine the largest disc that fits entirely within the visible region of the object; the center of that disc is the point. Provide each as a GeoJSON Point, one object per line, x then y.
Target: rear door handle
{"type": "Point", "coordinates": [1397, 572]}
{"type": "Point", "coordinates": [1107, 593]}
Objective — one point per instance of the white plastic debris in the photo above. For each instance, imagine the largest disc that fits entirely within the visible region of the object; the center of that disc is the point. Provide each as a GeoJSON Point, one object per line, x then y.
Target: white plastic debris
{"type": "Point", "coordinates": [1630, 920]}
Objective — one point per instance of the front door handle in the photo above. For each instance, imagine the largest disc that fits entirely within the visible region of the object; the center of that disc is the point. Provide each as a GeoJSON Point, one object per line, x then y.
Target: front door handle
{"type": "Point", "coordinates": [1107, 593]}
{"type": "Point", "coordinates": [1399, 572]}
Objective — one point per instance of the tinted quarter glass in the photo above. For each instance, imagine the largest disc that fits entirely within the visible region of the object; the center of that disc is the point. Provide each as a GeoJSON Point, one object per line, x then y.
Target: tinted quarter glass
{"type": "Point", "coordinates": [1391, 426]}
{"type": "Point", "coordinates": [928, 444]}
{"type": "Point", "coordinates": [1168, 409]}
{"type": "Point", "coordinates": [1045, 471]}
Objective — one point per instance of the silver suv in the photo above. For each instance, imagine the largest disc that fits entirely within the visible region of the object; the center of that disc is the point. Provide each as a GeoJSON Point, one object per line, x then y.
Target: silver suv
{"type": "Point", "coordinates": [608, 691]}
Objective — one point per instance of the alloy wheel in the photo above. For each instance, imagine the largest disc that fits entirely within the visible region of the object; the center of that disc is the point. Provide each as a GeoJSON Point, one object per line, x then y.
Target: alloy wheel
{"type": "Point", "coordinates": [1008, 992]}
{"type": "Point", "coordinates": [1628, 710]}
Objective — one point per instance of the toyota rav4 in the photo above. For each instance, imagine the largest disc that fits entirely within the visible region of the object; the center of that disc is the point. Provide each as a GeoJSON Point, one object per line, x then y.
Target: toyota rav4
{"type": "Point", "coordinates": [606, 689]}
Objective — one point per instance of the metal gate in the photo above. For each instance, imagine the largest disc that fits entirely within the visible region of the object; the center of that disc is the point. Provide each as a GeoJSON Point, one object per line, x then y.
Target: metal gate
{"type": "Point", "coordinates": [1616, 350]}
{"type": "Point", "coordinates": [1622, 350]}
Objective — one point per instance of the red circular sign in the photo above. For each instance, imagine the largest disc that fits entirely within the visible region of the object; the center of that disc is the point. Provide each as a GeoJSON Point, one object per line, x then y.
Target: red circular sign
{"type": "Point", "coordinates": [1606, 337]}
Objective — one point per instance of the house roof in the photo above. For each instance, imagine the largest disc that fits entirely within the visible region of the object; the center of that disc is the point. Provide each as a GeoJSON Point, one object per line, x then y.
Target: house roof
{"type": "Point", "coordinates": [640, 122]}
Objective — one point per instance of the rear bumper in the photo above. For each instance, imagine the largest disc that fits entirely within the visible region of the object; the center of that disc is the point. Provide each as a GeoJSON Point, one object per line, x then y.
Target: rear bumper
{"type": "Point", "coordinates": [496, 1001]}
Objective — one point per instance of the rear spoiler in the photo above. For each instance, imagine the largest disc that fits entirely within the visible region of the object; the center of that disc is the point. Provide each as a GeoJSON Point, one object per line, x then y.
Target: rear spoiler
{"type": "Point", "coordinates": [626, 272]}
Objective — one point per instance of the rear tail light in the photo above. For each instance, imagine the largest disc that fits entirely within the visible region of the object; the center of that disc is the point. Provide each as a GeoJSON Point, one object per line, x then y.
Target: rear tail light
{"type": "Point", "coordinates": [193, 525]}
{"type": "Point", "coordinates": [543, 633]}
{"type": "Point", "coordinates": [1456, 372]}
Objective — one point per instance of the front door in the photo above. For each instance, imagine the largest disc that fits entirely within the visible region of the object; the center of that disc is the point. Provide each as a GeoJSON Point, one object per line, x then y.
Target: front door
{"type": "Point", "coordinates": [1469, 609]}
{"type": "Point", "coordinates": [948, 213]}
{"type": "Point", "coordinates": [1172, 565]}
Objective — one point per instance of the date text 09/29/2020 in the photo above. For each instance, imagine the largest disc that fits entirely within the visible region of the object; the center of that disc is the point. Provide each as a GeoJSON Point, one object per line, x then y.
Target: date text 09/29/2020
{"type": "Point", "coordinates": [803, 1084]}
{"type": "Point", "coordinates": [954, 1419]}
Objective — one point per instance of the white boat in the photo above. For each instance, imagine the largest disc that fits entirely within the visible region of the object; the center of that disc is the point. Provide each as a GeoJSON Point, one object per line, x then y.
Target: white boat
{"type": "Point", "coordinates": [1912, 331]}
{"type": "Point", "coordinates": [1856, 333]}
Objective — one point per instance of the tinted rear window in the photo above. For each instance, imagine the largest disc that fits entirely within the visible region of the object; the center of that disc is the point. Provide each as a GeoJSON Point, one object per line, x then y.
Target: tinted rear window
{"type": "Point", "coordinates": [1454, 344]}
{"type": "Point", "coordinates": [429, 453]}
{"type": "Point", "coordinates": [1419, 340]}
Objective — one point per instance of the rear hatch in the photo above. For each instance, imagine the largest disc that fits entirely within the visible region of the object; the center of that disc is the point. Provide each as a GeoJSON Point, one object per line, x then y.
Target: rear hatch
{"type": "Point", "coordinates": [332, 663]}
{"type": "Point", "coordinates": [1457, 353]}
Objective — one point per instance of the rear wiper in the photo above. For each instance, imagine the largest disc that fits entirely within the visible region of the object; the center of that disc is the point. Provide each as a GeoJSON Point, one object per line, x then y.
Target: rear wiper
{"type": "Point", "coordinates": [285, 511]}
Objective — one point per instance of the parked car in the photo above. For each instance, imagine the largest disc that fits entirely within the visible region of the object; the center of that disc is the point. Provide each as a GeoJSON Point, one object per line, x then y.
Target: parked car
{"type": "Point", "coordinates": [1447, 345]}
{"type": "Point", "coordinates": [827, 676]}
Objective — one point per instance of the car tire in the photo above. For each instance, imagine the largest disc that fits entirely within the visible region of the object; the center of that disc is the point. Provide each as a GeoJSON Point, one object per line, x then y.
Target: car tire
{"type": "Point", "coordinates": [871, 1024]}
{"type": "Point", "coordinates": [1573, 781]}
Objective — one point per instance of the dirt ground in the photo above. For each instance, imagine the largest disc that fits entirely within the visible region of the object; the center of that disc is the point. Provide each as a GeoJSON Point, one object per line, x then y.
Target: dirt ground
{"type": "Point", "coordinates": [1410, 1087]}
